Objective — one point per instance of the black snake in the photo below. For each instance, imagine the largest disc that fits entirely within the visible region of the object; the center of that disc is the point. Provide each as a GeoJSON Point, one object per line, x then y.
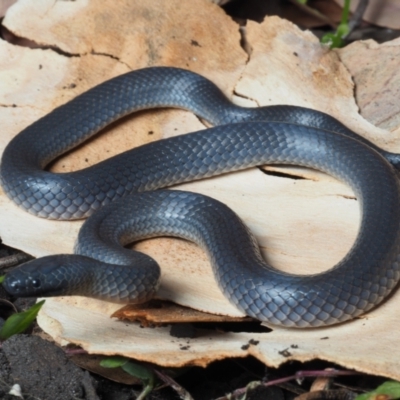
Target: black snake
{"type": "Point", "coordinates": [241, 138]}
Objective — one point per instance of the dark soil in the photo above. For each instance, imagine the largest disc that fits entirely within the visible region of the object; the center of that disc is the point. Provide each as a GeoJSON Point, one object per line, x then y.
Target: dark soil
{"type": "Point", "coordinates": [44, 371]}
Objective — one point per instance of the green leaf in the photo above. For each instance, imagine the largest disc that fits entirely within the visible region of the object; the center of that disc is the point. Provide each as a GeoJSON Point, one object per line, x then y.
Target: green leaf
{"type": "Point", "coordinates": [342, 30]}
{"type": "Point", "coordinates": [390, 390]}
{"type": "Point", "coordinates": [332, 40]}
{"type": "Point", "coordinates": [302, 1]}
{"type": "Point", "coordinates": [143, 373]}
{"type": "Point", "coordinates": [2, 278]}
{"type": "Point", "coordinates": [146, 375]}
{"type": "Point", "coordinates": [345, 12]}
{"type": "Point", "coordinates": [138, 371]}
{"type": "Point", "coordinates": [19, 322]}
{"type": "Point", "coordinates": [114, 362]}
{"type": "Point", "coordinates": [335, 39]}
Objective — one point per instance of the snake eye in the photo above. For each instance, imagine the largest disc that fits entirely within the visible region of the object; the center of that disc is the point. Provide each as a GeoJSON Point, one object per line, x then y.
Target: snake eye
{"type": "Point", "coordinates": [15, 285]}
{"type": "Point", "coordinates": [36, 283]}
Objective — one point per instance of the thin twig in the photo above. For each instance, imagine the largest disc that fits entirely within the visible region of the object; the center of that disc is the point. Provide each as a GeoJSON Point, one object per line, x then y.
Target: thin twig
{"type": "Point", "coordinates": [298, 375]}
{"type": "Point", "coordinates": [357, 16]}
{"type": "Point", "coordinates": [14, 259]}
{"type": "Point", "coordinates": [182, 393]}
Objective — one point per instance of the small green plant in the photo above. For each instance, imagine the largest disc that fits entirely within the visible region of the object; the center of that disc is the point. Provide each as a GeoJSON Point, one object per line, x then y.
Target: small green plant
{"type": "Point", "coordinates": [389, 390]}
{"type": "Point", "coordinates": [20, 322]}
{"type": "Point", "coordinates": [145, 374]}
{"type": "Point", "coordinates": [335, 39]}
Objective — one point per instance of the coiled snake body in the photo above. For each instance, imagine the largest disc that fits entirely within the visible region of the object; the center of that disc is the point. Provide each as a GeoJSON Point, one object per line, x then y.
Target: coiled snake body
{"type": "Point", "coordinates": [241, 138]}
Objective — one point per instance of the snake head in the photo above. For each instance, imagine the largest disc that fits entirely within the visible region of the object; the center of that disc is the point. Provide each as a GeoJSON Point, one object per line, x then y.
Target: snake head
{"type": "Point", "coordinates": [46, 276]}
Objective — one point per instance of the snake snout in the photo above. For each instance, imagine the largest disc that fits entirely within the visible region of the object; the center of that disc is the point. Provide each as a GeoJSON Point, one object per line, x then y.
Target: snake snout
{"type": "Point", "coordinates": [22, 284]}
{"type": "Point", "coordinates": [40, 277]}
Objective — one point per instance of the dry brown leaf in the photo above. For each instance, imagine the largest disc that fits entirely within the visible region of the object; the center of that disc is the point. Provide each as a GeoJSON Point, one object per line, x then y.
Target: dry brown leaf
{"type": "Point", "coordinates": [286, 66]}
{"type": "Point", "coordinates": [92, 363]}
{"type": "Point", "coordinates": [157, 313]}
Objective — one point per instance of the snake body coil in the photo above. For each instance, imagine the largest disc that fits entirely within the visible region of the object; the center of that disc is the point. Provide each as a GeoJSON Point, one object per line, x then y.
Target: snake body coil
{"type": "Point", "coordinates": [292, 135]}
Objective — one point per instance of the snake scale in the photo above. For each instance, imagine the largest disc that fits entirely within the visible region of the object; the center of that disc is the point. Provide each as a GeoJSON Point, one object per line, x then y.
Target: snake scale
{"type": "Point", "coordinates": [123, 194]}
